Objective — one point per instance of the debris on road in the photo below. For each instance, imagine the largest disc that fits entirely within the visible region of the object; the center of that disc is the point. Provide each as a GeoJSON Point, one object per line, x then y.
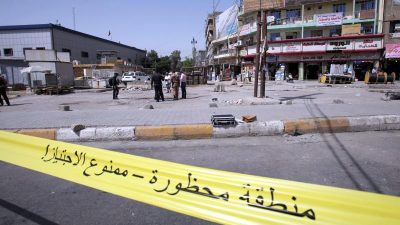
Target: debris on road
{"type": "Point", "coordinates": [249, 118]}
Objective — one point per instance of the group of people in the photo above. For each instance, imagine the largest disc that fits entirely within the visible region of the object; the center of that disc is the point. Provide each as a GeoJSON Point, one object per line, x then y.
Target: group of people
{"type": "Point", "coordinates": [3, 91]}
{"type": "Point", "coordinates": [173, 80]}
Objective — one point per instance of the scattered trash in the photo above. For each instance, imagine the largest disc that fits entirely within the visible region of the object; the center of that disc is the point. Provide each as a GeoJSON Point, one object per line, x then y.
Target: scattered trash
{"type": "Point", "coordinates": [338, 101]}
{"type": "Point", "coordinates": [148, 107]}
{"type": "Point", "coordinates": [213, 105]}
{"type": "Point", "coordinates": [241, 85]}
{"type": "Point", "coordinates": [214, 99]}
{"type": "Point", "coordinates": [77, 127]}
{"type": "Point", "coordinates": [393, 96]}
{"type": "Point", "coordinates": [233, 82]}
{"type": "Point", "coordinates": [249, 118]}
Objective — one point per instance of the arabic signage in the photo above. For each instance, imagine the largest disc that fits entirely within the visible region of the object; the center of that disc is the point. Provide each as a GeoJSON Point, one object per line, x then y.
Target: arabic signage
{"type": "Point", "coordinates": [369, 43]}
{"type": "Point", "coordinates": [226, 23]}
{"type": "Point", "coordinates": [313, 46]}
{"type": "Point", "coordinates": [392, 51]}
{"type": "Point", "coordinates": [274, 48]}
{"type": "Point", "coordinates": [248, 28]}
{"type": "Point", "coordinates": [367, 56]}
{"type": "Point", "coordinates": [328, 19]}
{"type": "Point", "coordinates": [292, 47]}
{"type": "Point", "coordinates": [335, 45]}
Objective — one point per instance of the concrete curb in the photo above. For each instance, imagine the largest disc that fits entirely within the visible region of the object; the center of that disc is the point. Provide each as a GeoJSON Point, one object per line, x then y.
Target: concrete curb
{"type": "Point", "coordinates": [198, 131]}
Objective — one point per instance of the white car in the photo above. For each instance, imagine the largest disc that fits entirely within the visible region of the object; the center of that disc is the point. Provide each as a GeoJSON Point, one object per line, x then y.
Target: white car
{"type": "Point", "coordinates": [128, 77]}
{"type": "Point", "coordinates": [135, 76]}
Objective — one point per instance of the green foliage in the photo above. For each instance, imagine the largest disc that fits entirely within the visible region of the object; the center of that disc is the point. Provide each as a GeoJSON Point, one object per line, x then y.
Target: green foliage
{"type": "Point", "coordinates": [175, 58]}
{"type": "Point", "coordinates": [163, 65]}
{"type": "Point", "coordinates": [188, 62]}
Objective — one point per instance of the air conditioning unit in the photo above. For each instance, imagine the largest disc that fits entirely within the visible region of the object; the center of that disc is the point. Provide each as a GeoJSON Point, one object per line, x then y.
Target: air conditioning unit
{"type": "Point", "coordinates": [397, 27]}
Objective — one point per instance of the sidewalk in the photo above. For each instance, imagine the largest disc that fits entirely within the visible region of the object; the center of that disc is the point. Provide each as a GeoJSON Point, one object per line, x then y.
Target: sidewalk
{"type": "Point", "coordinates": [285, 101]}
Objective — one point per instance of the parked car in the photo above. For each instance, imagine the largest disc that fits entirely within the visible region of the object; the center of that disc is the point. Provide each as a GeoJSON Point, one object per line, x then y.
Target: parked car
{"type": "Point", "coordinates": [128, 77]}
{"type": "Point", "coordinates": [135, 76]}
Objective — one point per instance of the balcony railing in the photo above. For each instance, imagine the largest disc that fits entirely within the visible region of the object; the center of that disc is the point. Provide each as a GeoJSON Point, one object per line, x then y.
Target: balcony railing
{"type": "Point", "coordinates": [365, 14]}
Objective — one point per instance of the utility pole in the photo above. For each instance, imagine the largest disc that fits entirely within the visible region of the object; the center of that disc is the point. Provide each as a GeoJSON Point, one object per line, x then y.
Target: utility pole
{"type": "Point", "coordinates": [73, 15]}
{"type": "Point", "coordinates": [194, 42]}
{"type": "Point", "coordinates": [257, 52]}
{"type": "Point", "coordinates": [264, 63]}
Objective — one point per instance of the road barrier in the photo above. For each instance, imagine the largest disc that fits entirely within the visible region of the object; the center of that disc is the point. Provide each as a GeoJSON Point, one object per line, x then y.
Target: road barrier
{"type": "Point", "coordinates": [218, 196]}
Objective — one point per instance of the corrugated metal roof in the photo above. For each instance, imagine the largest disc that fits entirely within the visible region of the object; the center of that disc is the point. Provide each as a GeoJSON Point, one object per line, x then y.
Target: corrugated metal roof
{"type": "Point", "coordinates": [54, 26]}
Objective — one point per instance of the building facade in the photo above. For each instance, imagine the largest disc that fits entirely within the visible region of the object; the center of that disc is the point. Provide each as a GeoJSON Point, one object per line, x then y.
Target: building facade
{"type": "Point", "coordinates": [391, 29]}
{"type": "Point", "coordinates": [309, 37]}
{"type": "Point", "coordinates": [83, 48]}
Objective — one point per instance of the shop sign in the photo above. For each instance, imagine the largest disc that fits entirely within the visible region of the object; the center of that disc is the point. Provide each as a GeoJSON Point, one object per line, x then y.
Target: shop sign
{"type": "Point", "coordinates": [313, 46]}
{"type": "Point", "coordinates": [367, 44]}
{"type": "Point", "coordinates": [291, 47]}
{"type": "Point", "coordinates": [395, 35]}
{"type": "Point", "coordinates": [245, 29]}
{"type": "Point", "coordinates": [351, 29]}
{"type": "Point", "coordinates": [328, 19]}
{"type": "Point", "coordinates": [339, 45]}
{"type": "Point", "coordinates": [392, 51]}
{"type": "Point", "coordinates": [274, 48]}
{"type": "Point", "coordinates": [330, 57]}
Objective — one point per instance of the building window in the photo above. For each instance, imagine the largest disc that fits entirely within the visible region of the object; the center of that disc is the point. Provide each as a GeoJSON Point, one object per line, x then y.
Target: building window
{"type": "Point", "coordinates": [316, 33]}
{"type": "Point", "coordinates": [335, 32]}
{"type": "Point", "coordinates": [40, 48]}
{"type": "Point", "coordinates": [291, 35]}
{"type": "Point", "coordinates": [275, 36]}
{"type": "Point", "coordinates": [24, 49]}
{"type": "Point", "coordinates": [365, 5]}
{"type": "Point", "coordinates": [394, 26]}
{"type": "Point", "coordinates": [84, 54]}
{"type": "Point", "coordinates": [292, 15]}
{"type": "Point", "coordinates": [98, 56]}
{"type": "Point", "coordinates": [339, 8]}
{"type": "Point", "coordinates": [276, 14]}
{"type": "Point", "coordinates": [8, 52]}
{"type": "Point", "coordinates": [66, 50]}
{"type": "Point", "coordinates": [367, 29]}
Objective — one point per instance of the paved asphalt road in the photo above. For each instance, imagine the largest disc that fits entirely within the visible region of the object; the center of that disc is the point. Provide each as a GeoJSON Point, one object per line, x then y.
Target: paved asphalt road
{"type": "Point", "coordinates": [362, 161]}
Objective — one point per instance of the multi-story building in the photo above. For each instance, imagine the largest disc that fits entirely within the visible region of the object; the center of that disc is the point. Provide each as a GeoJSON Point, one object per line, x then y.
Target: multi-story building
{"type": "Point", "coordinates": [83, 48]}
{"type": "Point", "coordinates": [308, 36]}
{"type": "Point", "coordinates": [391, 29]}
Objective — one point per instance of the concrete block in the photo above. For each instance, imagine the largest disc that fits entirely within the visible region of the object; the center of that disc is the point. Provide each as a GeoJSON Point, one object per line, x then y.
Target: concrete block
{"type": "Point", "coordinates": [267, 128]}
{"type": "Point", "coordinates": [365, 123]}
{"type": "Point", "coordinates": [390, 122]}
{"type": "Point", "coordinates": [237, 131]}
{"type": "Point", "coordinates": [319, 125]}
{"type": "Point", "coordinates": [66, 134]}
{"type": "Point", "coordinates": [114, 133]}
{"type": "Point", "coordinates": [88, 134]}
{"type": "Point", "coordinates": [193, 131]}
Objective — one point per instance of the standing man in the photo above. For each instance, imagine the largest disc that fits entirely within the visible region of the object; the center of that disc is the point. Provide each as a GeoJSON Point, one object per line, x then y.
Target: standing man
{"type": "Point", "coordinates": [3, 90]}
{"type": "Point", "coordinates": [183, 85]}
{"type": "Point", "coordinates": [156, 82]}
{"type": "Point", "coordinates": [115, 87]}
{"type": "Point", "coordinates": [175, 85]}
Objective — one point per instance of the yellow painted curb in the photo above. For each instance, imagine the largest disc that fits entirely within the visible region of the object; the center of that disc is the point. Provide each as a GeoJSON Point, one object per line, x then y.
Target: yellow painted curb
{"type": "Point", "coordinates": [321, 125]}
{"type": "Point", "coordinates": [174, 132]}
{"type": "Point", "coordinates": [194, 131]}
{"type": "Point", "coordinates": [42, 133]}
{"type": "Point", "coordinates": [154, 132]}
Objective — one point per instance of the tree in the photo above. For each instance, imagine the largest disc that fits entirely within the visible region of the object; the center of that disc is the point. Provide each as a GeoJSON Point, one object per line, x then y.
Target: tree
{"type": "Point", "coordinates": [175, 58]}
{"type": "Point", "coordinates": [188, 62]}
{"type": "Point", "coordinates": [151, 59]}
{"type": "Point", "coordinates": [163, 65]}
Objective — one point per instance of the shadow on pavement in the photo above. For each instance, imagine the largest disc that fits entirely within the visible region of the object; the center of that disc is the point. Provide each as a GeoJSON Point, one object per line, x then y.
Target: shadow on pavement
{"type": "Point", "coordinates": [342, 149]}
{"type": "Point", "coordinates": [25, 213]}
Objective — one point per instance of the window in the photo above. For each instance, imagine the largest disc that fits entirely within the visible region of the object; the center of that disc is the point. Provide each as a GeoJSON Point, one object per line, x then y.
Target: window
{"type": "Point", "coordinates": [335, 32]}
{"type": "Point", "coordinates": [276, 14]}
{"type": "Point", "coordinates": [66, 50]}
{"type": "Point", "coordinates": [84, 54]}
{"type": "Point", "coordinates": [394, 26]}
{"type": "Point", "coordinates": [129, 60]}
{"type": "Point", "coordinates": [8, 52]}
{"type": "Point", "coordinates": [316, 33]}
{"type": "Point", "coordinates": [24, 49]}
{"type": "Point", "coordinates": [365, 5]}
{"type": "Point", "coordinates": [291, 35]}
{"type": "Point", "coordinates": [339, 8]}
{"type": "Point", "coordinates": [293, 13]}
{"type": "Point", "coordinates": [275, 36]}
{"type": "Point", "coordinates": [367, 28]}
{"type": "Point", "coordinates": [98, 56]}
{"type": "Point", "coordinates": [40, 48]}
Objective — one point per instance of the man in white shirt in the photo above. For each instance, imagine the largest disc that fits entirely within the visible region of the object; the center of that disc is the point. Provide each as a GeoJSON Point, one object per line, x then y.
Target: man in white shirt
{"type": "Point", "coordinates": [183, 85]}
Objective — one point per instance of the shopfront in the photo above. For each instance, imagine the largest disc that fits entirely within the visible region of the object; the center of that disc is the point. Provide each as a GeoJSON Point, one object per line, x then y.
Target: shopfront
{"type": "Point", "coordinates": [392, 59]}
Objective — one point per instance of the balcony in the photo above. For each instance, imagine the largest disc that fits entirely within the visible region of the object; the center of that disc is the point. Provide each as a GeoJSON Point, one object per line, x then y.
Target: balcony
{"type": "Point", "coordinates": [365, 14]}
{"type": "Point", "coordinates": [225, 53]}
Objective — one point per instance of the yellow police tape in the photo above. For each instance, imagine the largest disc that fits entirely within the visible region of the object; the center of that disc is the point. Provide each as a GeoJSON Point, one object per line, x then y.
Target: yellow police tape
{"type": "Point", "coordinates": [218, 196]}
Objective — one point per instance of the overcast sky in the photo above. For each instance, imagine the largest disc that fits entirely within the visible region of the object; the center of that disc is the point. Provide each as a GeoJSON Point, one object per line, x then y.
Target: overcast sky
{"type": "Point", "coordinates": [146, 24]}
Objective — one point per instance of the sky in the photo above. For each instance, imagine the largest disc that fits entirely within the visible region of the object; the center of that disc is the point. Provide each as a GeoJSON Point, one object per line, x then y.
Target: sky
{"type": "Point", "coordinates": [161, 25]}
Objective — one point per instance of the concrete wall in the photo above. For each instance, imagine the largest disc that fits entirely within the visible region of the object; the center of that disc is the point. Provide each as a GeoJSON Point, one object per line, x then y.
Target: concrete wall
{"type": "Point", "coordinates": [78, 44]}
{"type": "Point", "coordinates": [391, 12]}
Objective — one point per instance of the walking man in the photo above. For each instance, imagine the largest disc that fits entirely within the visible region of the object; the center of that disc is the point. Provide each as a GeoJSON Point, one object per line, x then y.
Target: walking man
{"type": "Point", "coordinates": [3, 90]}
{"type": "Point", "coordinates": [183, 85]}
{"type": "Point", "coordinates": [175, 85]}
{"type": "Point", "coordinates": [115, 87]}
{"type": "Point", "coordinates": [156, 82]}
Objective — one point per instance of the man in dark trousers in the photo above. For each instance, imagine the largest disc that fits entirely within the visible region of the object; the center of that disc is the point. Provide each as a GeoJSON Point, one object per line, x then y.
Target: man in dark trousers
{"type": "Point", "coordinates": [156, 82]}
{"type": "Point", "coordinates": [3, 89]}
{"type": "Point", "coordinates": [115, 87]}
